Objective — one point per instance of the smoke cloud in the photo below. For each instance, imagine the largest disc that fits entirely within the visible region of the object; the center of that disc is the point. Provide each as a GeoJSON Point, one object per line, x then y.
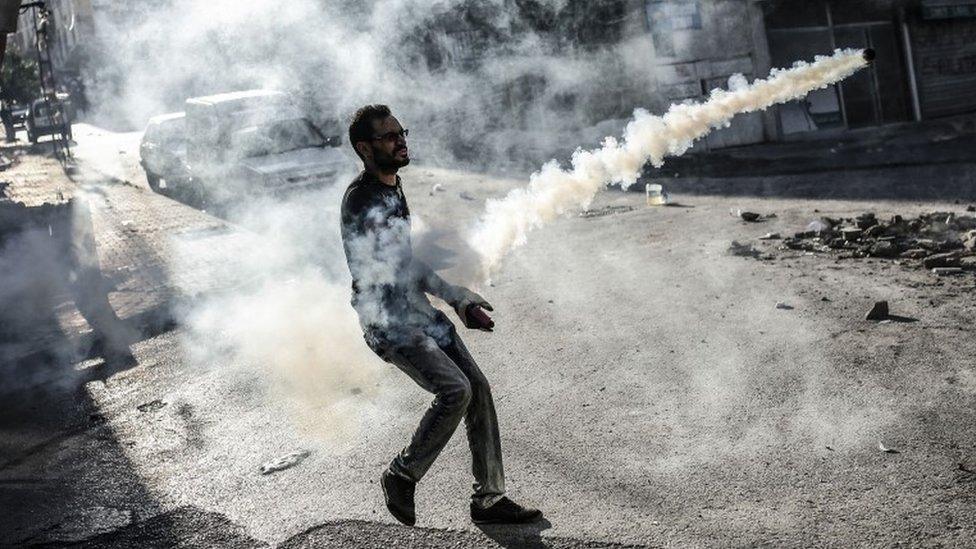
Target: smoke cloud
{"type": "Point", "coordinates": [647, 138]}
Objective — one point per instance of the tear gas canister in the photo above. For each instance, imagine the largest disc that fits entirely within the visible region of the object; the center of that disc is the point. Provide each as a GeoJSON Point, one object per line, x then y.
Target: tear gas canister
{"type": "Point", "coordinates": [478, 318]}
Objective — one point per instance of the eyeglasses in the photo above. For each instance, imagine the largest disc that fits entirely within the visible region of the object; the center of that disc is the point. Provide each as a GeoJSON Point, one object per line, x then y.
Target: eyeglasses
{"type": "Point", "coordinates": [392, 136]}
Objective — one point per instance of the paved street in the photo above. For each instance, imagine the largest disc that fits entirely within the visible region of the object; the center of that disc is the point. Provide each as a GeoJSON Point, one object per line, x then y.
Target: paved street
{"type": "Point", "coordinates": [649, 390]}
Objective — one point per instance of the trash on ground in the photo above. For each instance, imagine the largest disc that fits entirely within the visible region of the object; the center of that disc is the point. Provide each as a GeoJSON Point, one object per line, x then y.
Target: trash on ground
{"type": "Point", "coordinates": [606, 210]}
{"type": "Point", "coordinates": [656, 195]}
{"type": "Point", "coordinates": [284, 462]}
{"type": "Point", "coordinates": [885, 449]}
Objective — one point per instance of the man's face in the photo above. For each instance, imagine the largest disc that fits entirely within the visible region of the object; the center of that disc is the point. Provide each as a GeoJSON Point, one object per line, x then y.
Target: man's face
{"type": "Point", "coordinates": [389, 145]}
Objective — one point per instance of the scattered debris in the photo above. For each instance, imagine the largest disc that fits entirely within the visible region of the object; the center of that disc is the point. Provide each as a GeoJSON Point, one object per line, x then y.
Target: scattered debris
{"type": "Point", "coordinates": [878, 312]}
{"type": "Point", "coordinates": [937, 239]}
{"type": "Point", "coordinates": [151, 406]}
{"type": "Point", "coordinates": [743, 250]}
{"type": "Point", "coordinates": [606, 210]}
{"type": "Point", "coordinates": [885, 449]}
{"type": "Point", "coordinates": [950, 259]}
{"type": "Point", "coordinates": [284, 462]}
{"type": "Point", "coordinates": [820, 225]}
{"type": "Point", "coordinates": [784, 306]}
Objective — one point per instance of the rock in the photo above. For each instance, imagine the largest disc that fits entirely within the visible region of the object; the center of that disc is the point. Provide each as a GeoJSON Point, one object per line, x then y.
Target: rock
{"type": "Point", "coordinates": [866, 220]}
{"type": "Point", "coordinates": [964, 223]}
{"type": "Point", "coordinates": [878, 312]}
{"type": "Point", "coordinates": [971, 208]}
{"type": "Point", "coordinates": [851, 234]}
{"type": "Point", "coordinates": [950, 259]}
{"type": "Point", "coordinates": [875, 231]}
{"type": "Point", "coordinates": [805, 234]}
{"type": "Point", "coordinates": [915, 253]}
{"type": "Point", "coordinates": [784, 306]}
{"type": "Point", "coordinates": [770, 236]}
{"type": "Point", "coordinates": [749, 216]}
{"type": "Point", "coordinates": [969, 241]}
{"type": "Point", "coordinates": [819, 225]}
{"type": "Point", "coordinates": [884, 248]}
{"type": "Point", "coordinates": [947, 271]}
{"type": "Point", "coordinates": [743, 250]}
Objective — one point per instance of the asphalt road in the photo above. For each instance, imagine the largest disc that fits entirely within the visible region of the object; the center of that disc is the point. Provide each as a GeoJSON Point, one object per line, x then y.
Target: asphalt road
{"type": "Point", "coordinates": [649, 391]}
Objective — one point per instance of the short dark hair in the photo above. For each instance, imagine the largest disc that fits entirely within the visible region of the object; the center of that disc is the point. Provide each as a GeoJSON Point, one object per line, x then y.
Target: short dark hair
{"type": "Point", "coordinates": [361, 127]}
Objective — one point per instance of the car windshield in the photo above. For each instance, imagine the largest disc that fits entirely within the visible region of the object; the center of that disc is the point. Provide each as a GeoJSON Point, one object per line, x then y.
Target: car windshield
{"type": "Point", "coordinates": [276, 138]}
{"type": "Point", "coordinates": [171, 133]}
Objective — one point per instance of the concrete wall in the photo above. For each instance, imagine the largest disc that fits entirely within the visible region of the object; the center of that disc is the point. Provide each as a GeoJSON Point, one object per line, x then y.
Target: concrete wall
{"type": "Point", "coordinates": [696, 46]}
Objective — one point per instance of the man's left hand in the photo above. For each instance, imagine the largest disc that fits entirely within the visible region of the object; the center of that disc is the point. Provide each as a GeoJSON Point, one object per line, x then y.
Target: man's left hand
{"type": "Point", "coordinates": [464, 298]}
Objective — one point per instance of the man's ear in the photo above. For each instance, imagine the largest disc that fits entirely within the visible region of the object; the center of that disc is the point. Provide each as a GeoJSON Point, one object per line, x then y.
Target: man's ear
{"type": "Point", "coordinates": [363, 148]}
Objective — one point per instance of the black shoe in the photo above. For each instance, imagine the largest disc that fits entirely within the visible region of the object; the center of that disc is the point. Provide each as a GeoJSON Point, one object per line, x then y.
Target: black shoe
{"type": "Point", "coordinates": [398, 492]}
{"type": "Point", "coordinates": [504, 511]}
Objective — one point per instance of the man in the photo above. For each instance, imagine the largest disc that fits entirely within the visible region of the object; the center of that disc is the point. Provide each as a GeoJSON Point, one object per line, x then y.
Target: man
{"type": "Point", "coordinates": [402, 327]}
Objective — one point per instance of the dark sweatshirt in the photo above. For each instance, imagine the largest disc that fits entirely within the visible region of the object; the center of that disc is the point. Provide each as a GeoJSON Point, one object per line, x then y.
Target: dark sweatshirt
{"type": "Point", "coordinates": [388, 285]}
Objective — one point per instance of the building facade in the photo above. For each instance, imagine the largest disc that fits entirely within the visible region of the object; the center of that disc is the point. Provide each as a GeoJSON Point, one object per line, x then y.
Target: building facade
{"type": "Point", "coordinates": [925, 68]}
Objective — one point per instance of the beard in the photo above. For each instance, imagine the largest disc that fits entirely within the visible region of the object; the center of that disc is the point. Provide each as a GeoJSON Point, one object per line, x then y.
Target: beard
{"type": "Point", "coordinates": [392, 161]}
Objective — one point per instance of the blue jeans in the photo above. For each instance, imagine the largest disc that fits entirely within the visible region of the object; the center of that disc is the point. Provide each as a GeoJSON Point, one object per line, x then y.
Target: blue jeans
{"type": "Point", "coordinates": [447, 370]}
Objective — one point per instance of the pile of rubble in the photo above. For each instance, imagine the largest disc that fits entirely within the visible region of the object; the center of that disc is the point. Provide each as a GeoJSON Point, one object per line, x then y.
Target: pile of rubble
{"type": "Point", "coordinates": [941, 241]}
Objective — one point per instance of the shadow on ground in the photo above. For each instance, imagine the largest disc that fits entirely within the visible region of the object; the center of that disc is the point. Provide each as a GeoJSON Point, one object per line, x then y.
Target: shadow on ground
{"type": "Point", "coordinates": [358, 533]}
{"type": "Point", "coordinates": [63, 475]}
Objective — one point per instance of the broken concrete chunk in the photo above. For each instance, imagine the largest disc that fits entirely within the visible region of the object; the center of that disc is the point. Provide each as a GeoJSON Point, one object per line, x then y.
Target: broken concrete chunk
{"type": "Point", "coordinates": [950, 259]}
{"type": "Point", "coordinates": [875, 231]}
{"type": "Point", "coordinates": [969, 241]}
{"type": "Point", "coordinates": [915, 253]}
{"type": "Point", "coordinates": [878, 312]}
{"type": "Point", "coordinates": [866, 220]}
{"type": "Point", "coordinates": [884, 248]}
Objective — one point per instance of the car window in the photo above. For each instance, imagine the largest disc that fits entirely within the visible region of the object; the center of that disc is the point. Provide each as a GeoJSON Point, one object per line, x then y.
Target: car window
{"type": "Point", "coordinates": [276, 138]}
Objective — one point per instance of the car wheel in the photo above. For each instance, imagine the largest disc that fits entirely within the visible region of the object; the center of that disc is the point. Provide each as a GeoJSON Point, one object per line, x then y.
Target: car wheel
{"type": "Point", "coordinates": [153, 181]}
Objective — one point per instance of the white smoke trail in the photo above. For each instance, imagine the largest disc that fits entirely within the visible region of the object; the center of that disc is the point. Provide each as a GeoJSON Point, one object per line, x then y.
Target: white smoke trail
{"type": "Point", "coordinates": [647, 138]}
